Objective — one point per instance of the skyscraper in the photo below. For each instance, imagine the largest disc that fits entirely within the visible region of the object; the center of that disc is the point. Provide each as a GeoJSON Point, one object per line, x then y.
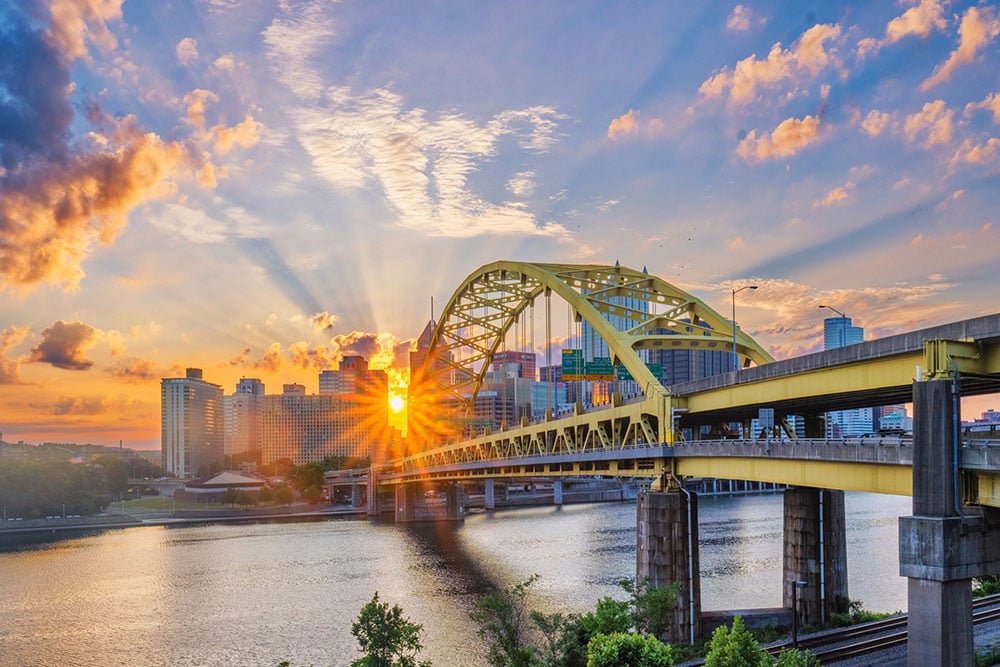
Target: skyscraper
{"type": "Point", "coordinates": [191, 423]}
{"type": "Point", "coordinates": [839, 332]}
{"type": "Point", "coordinates": [243, 416]}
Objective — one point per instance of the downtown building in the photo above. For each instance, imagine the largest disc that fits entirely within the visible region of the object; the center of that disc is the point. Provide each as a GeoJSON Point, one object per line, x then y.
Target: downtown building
{"type": "Point", "coordinates": [192, 432]}
{"type": "Point", "coordinates": [243, 411]}
{"type": "Point", "coordinates": [839, 332]}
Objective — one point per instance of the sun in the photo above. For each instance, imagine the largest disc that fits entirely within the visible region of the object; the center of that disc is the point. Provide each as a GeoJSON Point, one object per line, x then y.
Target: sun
{"type": "Point", "coordinates": [396, 403]}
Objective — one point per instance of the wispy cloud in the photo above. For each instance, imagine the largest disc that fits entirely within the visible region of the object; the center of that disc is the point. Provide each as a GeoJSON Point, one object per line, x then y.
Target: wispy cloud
{"type": "Point", "coordinates": [979, 27]}
{"type": "Point", "coordinates": [10, 338]}
{"type": "Point", "coordinates": [920, 20]}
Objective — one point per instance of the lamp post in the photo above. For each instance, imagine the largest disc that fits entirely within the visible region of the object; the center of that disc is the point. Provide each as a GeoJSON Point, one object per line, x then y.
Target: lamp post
{"type": "Point", "coordinates": [736, 357]}
{"type": "Point", "coordinates": [795, 612]}
{"type": "Point", "coordinates": [843, 322]}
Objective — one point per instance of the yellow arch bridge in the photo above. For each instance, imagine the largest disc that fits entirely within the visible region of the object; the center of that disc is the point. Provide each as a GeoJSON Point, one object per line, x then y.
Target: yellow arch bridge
{"type": "Point", "coordinates": [656, 433]}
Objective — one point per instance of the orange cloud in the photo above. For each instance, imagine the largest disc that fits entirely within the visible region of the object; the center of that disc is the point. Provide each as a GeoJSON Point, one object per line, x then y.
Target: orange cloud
{"type": "Point", "coordinates": [835, 196]}
{"type": "Point", "coordinates": [76, 22]}
{"type": "Point", "coordinates": [787, 139]}
{"type": "Point", "coordinates": [625, 126]}
{"type": "Point", "coordinates": [197, 103]}
{"type": "Point", "coordinates": [65, 344]}
{"type": "Point", "coordinates": [323, 321]}
{"type": "Point", "coordinates": [875, 122]}
{"type": "Point", "coordinates": [243, 134]}
{"type": "Point", "coordinates": [990, 102]}
{"type": "Point", "coordinates": [225, 62]}
{"type": "Point", "coordinates": [741, 19]}
{"type": "Point", "coordinates": [53, 210]}
{"type": "Point", "coordinates": [977, 154]}
{"type": "Point", "coordinates": [10, 338]}
{"type": "Point", "coordinates": [933, 121]}
{"type": "Point", "coordinates": [136, 371]}
{"type": "Point", "coordinates": [978, 28]}
{"type": "Point", "coordinates": [305, 356]}
{"type": "Point", "coordinates": [805, 59]}
{"type": "Point", "coordinates": [628, 126]}
{"type": "Point", "coordinates": [920, 20]}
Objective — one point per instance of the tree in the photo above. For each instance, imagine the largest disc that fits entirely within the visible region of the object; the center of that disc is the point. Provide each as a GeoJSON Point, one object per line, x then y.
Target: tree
{"type": "Point", "coordinates": [628, 650]}
{"type": "Point", "coordinates": [282, 495]}
{"type": "Point", "coordinates": [652, 607]}
{"type": "Point", "coordinates": [562, 640]}
{"type": "Point", "coordinates": [736, 648]}
{"type": "Point", "coordinates": [230, 496]}
{"type": "Point", "coordinates": [503, 621]}
{"type": "Point", "coordinates": [115, 473]}
{"type": "Point", "coordinates": [386, 637]}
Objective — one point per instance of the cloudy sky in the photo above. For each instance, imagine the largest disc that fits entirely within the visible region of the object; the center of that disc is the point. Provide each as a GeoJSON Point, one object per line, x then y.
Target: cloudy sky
{"type": "Point", "coordinates": [256, 188]}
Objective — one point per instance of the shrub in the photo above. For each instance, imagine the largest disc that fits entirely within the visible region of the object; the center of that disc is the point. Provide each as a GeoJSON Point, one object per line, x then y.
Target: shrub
{"type": "Point", "coordinates": [628, 650]}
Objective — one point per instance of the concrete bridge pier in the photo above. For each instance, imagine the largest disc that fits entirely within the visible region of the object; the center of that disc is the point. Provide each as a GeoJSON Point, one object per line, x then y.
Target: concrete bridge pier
{"type": "Point", "coordinates": [356, 495]}
{"type": "Point", "coordinates": [667, 552]}
{"type": "Point", "coordinates": [557, 492]}
{"type": "Point", "coordinates": [942, 546]}
{"type": "Point", "coordinates": [815, 553]}
{"type": "Point", "coordinates": [373, 507]}
{"type": "Point", "coordinates": [413, 505]}
{"type": "Point", "coordinates": [489, 494]}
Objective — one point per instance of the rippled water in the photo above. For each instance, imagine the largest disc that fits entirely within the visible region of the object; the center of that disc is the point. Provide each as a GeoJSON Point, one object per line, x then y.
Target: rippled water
{"type": "Point", "coordinates": [258, 594]}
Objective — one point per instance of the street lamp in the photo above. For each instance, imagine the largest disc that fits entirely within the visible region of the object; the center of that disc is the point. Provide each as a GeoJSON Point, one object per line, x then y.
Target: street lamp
{"type": "Point", "coordinates": [736, 357]}
{"type": "Point", "coordinates": [795, 612]}
{"type": "Point", "coordinates": [843, 323]}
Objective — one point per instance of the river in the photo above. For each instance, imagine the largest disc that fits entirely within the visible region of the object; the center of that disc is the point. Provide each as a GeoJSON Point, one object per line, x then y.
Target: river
{"type": "Point", "coordinates": [221, 595]}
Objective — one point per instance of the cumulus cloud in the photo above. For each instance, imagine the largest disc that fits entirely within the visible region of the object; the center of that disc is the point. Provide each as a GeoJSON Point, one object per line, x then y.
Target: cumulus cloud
{"type": "Point", "coordinates": [65, 344]}
{"type": "Point", "coordinates": [787, 139]}
{"type": "Point", "coordinates": [741, 19]}
{"type": "Point", "coordinates": [74, 23]}
{"type": "Point", "coordinates": [10, 338]}
{"type": "Point", "coordinates": [225, 62]}
{"type": "Point", "coordinates": [973, 153]}
{"type": "Point", "coordinates": [187, 51]}
{"type": "Point", "coordinates": [629, 126]}
{"type": "Point", "coordinates": [79, 405]}
{"type": "Point", "coordinates": [323, 321]}
{"type": "Point", "coordinates": [876, 122]}
{"type": "Point", "coordinates": [57, 199]}
{"type": "Point", "coordinates": [923, 18]}
{"type": "Point", "coordinates": [932, 124]}
{"type": "Point", "coordinates": [991, 103]}
{"type": "Point", "coordinates": [979, 27]}
{"type": "Point", "coordinates": [810, 55]}
{"type": "Point", "coordinates": [306, 356]}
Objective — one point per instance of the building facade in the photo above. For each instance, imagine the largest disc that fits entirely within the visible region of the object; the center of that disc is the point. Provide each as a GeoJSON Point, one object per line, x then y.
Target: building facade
{"type": "Point", "coordinates": [192, 431]}
{"type": "Point", "coordinates": [838, 332]}
{"type": "Point", "coordinates": [243, 413]}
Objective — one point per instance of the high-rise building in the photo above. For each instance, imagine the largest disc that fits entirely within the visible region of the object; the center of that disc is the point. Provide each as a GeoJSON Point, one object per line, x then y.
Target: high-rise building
{"type": "Point", "coordinates": [525, 362]}
{"type": "Point", "coordinates": [838, 332]}
{"type": "Point", "coordinates": [354, 378]}
{"type": "Point", "coordinates": [191, 422]}
{"type": "Point", "coordinates": [243, 416]}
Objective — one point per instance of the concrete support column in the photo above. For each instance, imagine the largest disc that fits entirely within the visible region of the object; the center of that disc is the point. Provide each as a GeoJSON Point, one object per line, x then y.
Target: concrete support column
{"type": "Point", "coordinates": [489, 495]}
{"type": "Point", "coordinates": [373, 507]}
{"type": "Point", "coordinates": [667, 552]}
{"type": "Point", "coordinates": [455, 502]}
{"type": "Point", "coordinates": [938, 551]}
{"type": "Point", "coordinates": [815, 551]}
{"type": "Point", "coordinates": [406, 503]}
{"type": "Point", "coordinates": [355, 495]}
{"type": "Point", "coordinates": [557, 492]}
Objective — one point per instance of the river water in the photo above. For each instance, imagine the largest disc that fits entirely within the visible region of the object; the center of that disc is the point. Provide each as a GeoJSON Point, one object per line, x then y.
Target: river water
{"type": "Point", "coordinates": [221, 595]}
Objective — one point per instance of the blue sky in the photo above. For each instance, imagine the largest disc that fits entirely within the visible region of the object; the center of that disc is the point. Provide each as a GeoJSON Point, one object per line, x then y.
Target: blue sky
{"type": "Point", "coordinates": [257, 188]}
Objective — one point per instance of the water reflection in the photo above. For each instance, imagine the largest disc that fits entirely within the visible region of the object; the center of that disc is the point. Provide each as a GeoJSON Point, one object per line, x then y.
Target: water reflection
{"type": "Point", "coordinates": [223, 595]}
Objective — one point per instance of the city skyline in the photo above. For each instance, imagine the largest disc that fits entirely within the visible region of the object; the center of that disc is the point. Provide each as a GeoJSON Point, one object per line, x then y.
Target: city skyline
{"type": "Point", "coordinates": [258, 189]}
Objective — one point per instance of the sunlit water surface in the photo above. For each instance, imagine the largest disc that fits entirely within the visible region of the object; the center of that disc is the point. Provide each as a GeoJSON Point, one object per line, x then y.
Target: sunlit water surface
{"type": "Point", "coordinates": [258, 594]}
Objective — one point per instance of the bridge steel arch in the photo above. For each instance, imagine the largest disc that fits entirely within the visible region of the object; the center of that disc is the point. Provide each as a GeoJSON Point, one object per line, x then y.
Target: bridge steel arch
{"type": "Point", "coordinates": [492, 299]}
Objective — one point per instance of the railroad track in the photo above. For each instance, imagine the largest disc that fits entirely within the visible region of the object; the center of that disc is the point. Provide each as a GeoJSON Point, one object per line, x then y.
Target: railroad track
{"type": "Point", "coordinates": [876, 636]}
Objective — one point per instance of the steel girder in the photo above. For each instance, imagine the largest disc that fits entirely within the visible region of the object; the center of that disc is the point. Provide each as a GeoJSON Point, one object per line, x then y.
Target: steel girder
{"type": "Point", "coordinates": [492, 298]}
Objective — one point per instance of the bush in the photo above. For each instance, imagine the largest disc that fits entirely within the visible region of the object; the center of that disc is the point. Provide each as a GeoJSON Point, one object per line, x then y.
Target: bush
{"type": "Point", "coordinates": [736, 648]}
{"type": "Point", "coordinates": [628, 650]}
{"type": "Point", "coordinates": [386, 638]}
